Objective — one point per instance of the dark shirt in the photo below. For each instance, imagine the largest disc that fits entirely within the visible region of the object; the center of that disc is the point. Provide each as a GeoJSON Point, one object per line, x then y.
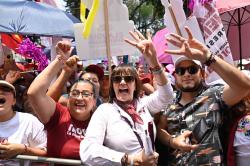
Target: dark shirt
{"type": "Point", "coordinates": [203, 116]}
{"type": "Point", "coordinates": [98, 101]}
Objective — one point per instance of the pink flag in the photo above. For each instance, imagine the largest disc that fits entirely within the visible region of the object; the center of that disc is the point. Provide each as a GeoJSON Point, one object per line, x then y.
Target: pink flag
{"type": "Point", "coordinates": [160, 44]}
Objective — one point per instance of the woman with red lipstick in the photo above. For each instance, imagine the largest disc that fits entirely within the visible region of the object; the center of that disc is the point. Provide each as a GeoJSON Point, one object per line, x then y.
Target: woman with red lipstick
{"type": "Point", "coordinates": [20, 133]}
{"type": "Point", "coordinates": [122, 132]}
{"type": "Point", "coordinates": [65, 125]}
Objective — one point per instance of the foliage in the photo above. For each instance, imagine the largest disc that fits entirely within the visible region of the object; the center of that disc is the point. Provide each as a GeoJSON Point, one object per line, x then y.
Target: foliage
{"type": "Point", "coordinates": [73, 6]}
{"type": "Point", "coordinates": [146, 14]}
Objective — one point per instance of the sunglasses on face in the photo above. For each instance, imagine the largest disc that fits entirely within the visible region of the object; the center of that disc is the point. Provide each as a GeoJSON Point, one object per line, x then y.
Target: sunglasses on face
{"type": "Point", "coordinates": [118, 79]}
{"type": "Point", "coordinates": [182, 70]}
{"type": "Point", "coordinates": [76, 93]}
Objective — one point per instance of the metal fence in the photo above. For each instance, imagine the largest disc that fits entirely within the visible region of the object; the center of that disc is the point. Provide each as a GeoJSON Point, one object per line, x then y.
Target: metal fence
{"type": "Point", "coordinates": [49, 160]}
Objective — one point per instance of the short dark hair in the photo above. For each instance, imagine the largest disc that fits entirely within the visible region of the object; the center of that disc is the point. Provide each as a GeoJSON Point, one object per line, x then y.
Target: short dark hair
{"type": "Point", "coordinates": [125, 69]}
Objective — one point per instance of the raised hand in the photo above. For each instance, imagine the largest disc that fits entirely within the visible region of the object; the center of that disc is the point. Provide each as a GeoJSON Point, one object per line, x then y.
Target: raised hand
{"type": "Point", "coordinates": [71, 64]}
{"type": "Point", "coordinates": [190, 47]}
{"type": "Point", "coordinates": [64, 49]}
{"type": "Point", "coordinates": [72, 61]}
{"type": "Point", "coordinates": [145, 46]}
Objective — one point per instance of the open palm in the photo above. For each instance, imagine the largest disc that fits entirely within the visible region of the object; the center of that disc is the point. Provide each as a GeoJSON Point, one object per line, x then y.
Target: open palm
{"type": "Point", "coordinates": [191, 47]}
{"type": "Point", "coordinates": [145, 46]}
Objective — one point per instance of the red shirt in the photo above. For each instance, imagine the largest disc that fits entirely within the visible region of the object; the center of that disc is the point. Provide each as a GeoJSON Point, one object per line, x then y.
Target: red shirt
{"type": "Point", "coordinates": [64, 134]}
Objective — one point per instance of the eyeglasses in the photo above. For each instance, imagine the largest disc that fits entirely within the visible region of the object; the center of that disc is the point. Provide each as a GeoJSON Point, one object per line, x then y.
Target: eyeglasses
{"type": "Point", "coordinates": [93, 80]}
{"type": "Point", "coordinates": [76, 93]}
{"type": "Point", "coordinates": [118, 79]}
{"type": "Point", "coordinates": [182, 70]}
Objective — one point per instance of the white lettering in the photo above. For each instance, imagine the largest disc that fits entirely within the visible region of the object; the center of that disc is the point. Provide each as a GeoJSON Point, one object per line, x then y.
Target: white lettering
{"type": "Point", "coordinates": [76, 132]}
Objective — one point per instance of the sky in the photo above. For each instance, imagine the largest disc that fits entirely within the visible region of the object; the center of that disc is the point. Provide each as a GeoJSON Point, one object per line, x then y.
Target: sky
{"type": "Point", "coordinates": [61, 4]}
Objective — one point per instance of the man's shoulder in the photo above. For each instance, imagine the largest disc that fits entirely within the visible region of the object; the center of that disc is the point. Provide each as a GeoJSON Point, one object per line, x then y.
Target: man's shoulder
{"type": "Point", "coordinates": [212, 89]}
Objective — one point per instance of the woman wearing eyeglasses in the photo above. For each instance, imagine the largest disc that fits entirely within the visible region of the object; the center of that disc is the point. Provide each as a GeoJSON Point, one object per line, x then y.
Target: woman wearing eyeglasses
{"type": "Point", "coordinates": [122, 131]}
{"type": "Point", "coordinates": [65, 125]}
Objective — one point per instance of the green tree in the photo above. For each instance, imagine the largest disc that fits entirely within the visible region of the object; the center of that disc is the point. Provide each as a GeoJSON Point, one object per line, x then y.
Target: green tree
{"type": "Point", "coordinates": [146, 14]}
{"type": "Point", "coordinates": [73, 6]}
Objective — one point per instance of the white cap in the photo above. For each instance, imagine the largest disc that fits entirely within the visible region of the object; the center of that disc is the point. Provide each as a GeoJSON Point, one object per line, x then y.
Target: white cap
{"type": "Point", "coordinates": [9, 85]}
{"type": "Point", "coordinates": [184, 58]}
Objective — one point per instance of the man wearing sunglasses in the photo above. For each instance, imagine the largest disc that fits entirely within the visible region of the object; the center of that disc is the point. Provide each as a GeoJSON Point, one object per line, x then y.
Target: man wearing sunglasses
{"type": "Point", "coordinates": [188, 74]}
{"type": "Point", "coordinates": [190, 125]}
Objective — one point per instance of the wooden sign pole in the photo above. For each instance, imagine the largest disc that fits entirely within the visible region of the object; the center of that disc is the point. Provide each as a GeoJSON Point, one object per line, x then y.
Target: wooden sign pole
{"type": "Point", "coordinates": [107, 36]}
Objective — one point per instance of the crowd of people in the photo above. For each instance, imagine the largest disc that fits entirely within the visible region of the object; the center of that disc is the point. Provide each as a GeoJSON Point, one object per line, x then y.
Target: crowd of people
{"type": "Point", "coordinates": [126, 116]}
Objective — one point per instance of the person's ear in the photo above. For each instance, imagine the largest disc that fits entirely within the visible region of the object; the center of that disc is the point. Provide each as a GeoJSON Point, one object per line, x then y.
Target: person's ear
{"type": "Point", "coordinates": [203, 74]}
{"type": "Point", "coordinates": [14, 101]}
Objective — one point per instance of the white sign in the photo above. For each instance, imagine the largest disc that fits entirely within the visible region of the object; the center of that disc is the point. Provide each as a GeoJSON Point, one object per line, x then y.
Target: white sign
{"type": "Point", "coordinates": [214, 34]}
{"type": "Point", "coordinates": [208, 22]}
{"type": "Point", "coordinates": [175, 19]}
{"type": "Point", "coordinates": [94, 47]}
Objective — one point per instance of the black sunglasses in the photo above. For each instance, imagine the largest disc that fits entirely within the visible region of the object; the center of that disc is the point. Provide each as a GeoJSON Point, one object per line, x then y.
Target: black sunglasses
{"type": "Point", "coordinates": [182, 70]}
{"type": "Point", "coordinates": [118, 79]}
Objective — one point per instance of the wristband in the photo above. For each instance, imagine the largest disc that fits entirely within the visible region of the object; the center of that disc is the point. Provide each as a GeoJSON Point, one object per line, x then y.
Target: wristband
{"type": "Point", "coordinates": [157, 69]}
{"type": "Point", "coordinates": [211, 59]}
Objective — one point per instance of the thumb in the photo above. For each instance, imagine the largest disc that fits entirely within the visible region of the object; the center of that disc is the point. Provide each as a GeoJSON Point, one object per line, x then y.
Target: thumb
{"type": "Point", "coordinates": [187, 133]}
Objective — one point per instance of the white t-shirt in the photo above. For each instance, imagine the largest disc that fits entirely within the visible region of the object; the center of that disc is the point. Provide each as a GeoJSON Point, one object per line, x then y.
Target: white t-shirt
{"type": "Point", "coordinates": [23, 128]}
{"type": "Point", "coordinates": [242, 142]}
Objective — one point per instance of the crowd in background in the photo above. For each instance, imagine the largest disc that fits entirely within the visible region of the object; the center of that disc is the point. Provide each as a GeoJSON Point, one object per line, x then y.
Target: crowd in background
{"type": "Point", "coordinates": [163, 115]}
